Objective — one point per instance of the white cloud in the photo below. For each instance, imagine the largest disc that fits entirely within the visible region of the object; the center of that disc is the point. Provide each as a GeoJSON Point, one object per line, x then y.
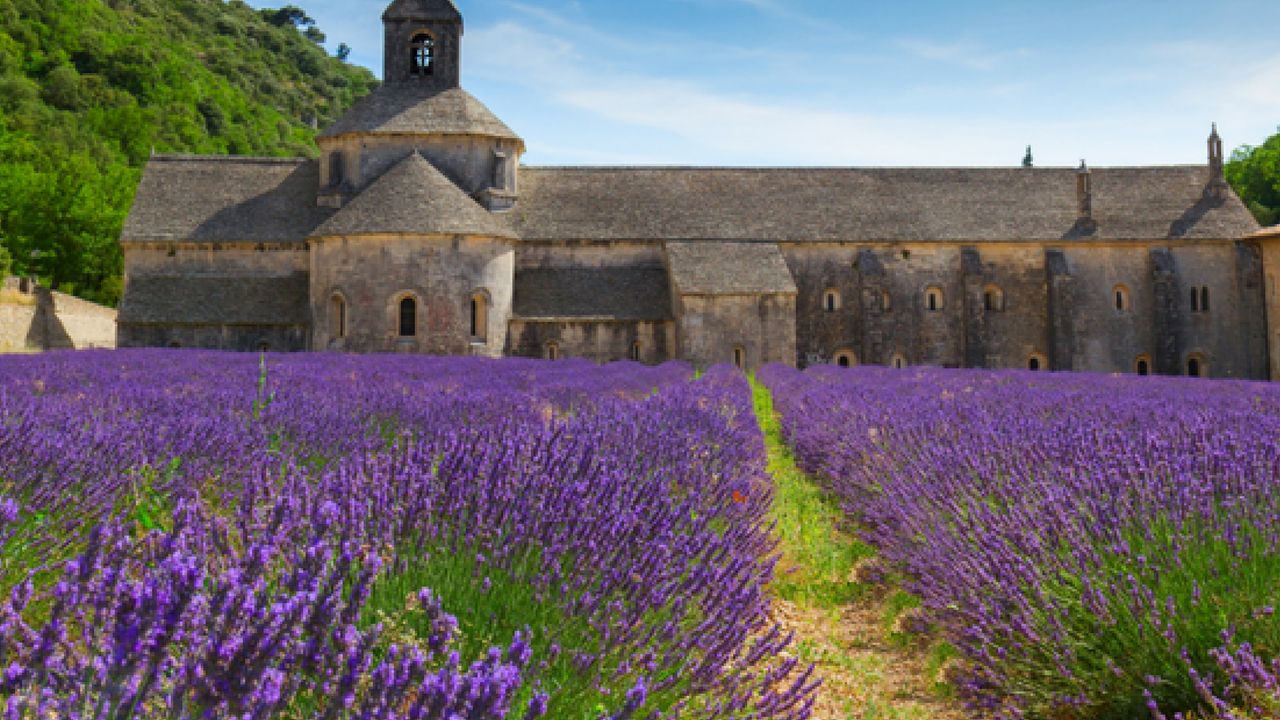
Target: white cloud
{"type": "Point", "coordinates": [962, 53]}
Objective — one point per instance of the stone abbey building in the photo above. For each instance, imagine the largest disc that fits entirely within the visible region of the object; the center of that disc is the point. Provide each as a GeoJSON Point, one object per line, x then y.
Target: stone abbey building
{"type": "Point", "coordinates": [419, 230]}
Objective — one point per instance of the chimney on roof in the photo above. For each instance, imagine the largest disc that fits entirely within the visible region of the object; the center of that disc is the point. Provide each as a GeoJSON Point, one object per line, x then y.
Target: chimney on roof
{"type": "Point", "coordinates": [1217, 188]}
{"type": "Point", "coordinates": [1028, 160]}
{"type": "Point", "coordinates": [1084, 192]}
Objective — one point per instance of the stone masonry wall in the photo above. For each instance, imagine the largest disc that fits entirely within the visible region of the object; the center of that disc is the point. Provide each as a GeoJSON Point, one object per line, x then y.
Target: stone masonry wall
{"type": "Point", "coordinates": [374, 273]}
{"type": "Point", "coordinates": [710, 327]}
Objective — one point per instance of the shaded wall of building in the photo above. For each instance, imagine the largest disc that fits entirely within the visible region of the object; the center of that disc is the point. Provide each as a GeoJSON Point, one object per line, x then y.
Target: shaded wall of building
{"type": "Point", "coordinates": [1007, 305]}
{"type": "Point", "coordinates": [649, 342]}
{"type": "Point", "coordinates": [243, 297]}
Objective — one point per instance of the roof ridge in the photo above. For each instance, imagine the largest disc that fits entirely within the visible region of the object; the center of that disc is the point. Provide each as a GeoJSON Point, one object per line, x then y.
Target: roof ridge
{"type": "Point", "coordinates": [848, 168]}
{"type": "Point", "coordinates": [243, 159]}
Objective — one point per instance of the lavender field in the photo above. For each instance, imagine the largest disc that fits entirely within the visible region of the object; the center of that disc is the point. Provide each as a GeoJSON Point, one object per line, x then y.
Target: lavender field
{"type": "Point", "coordinates": [1092, 546]}
{"type": "Point", "coordinates": [200, 535]}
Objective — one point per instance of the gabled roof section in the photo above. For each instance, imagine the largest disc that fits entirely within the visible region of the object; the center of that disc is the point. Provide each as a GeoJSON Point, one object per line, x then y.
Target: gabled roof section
{"type": "Point", "coordinates": [413, 198]}
{"type": "Point", "coordinates": [406, 109]}
{"type": "Point", "coordinates": [225, 199]}
{"type": "Point", "coordinates": [426, 10]}
{"type": "Point", "coordinates": [869, 205]}
{"type": "Point", "coordinates": [728, 268]}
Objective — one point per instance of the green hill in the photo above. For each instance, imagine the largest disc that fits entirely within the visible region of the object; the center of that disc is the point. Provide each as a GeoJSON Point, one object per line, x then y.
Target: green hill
{"type": "Point", "coordinates": [89, 88]}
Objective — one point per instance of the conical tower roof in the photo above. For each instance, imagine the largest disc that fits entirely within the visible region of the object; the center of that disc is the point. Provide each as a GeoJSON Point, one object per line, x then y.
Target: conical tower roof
{"type": "Point", "coordinates": [413, 198]}
{"type": "Point", "coordinates": [425, 10]}
{"type": "Point", "coordinates": [400, 110]}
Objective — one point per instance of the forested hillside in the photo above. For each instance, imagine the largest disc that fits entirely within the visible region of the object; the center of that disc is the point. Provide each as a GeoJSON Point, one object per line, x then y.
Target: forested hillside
{"type": "Point", "coordinates": [89, 88]}
{"type": "Point", "coordinates": [1255, 173]}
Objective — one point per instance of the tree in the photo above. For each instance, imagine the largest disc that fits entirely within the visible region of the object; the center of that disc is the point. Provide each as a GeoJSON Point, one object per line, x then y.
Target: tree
{"type": "Point", "coordinates": [288, 15]}
{"type": "Point", "coordinates": [344, 52]}
{"type": "Point", "coordinates": [1254, 172]}
{"type": "Point", "coordinates": [6, 262]}
{"type": "Point", "coordinates": [314, 34]}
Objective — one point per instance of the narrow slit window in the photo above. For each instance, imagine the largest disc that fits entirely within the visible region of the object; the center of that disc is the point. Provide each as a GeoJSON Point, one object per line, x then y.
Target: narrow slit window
{"type": "Point", "coordinates": [635, 351]}
{"type": "Point", "coordinates": [408, 318]}
{"type": "Point", "coordinates": [480, 317]}
{"type": "Point", "coordinates": [1195, 300]}
{"type": "Point", "coordinates": [831, 301]}
{"type": "Point", "coordinates": [1121, 294]}
{"type": "Point", "coordinates": [335, 169]}
{"type": "Point", "coordinates": [739, 358]}
{"type": "Point", "coordinates": [1204, 299]}
{"type": "Point", "coordinates": [338, 315]}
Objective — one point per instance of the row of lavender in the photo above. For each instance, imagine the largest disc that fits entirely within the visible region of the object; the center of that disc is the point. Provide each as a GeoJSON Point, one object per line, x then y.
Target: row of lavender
{"type": "Point", "coordinates": [199, 535]}
{"type": "Point", "coordinates": [1096, 547]}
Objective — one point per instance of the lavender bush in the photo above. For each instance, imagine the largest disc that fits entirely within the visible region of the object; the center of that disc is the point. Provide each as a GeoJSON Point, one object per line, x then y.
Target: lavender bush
{"type": "Point", "coordinates": [191, 535]}
{"type": "Point", "coordinates": [1096, 547]}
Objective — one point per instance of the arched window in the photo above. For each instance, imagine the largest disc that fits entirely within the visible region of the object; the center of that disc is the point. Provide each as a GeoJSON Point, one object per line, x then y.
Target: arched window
{"type": "Point", "coordinates": [1142, 365]}
{"type": "Point", "coordinates": [635, 351]}
{"type": "Point", "coordinates": [740, 358]}
{"type": "Point", "coordinates": [886, 301]}
{"type": "Point", "coordinates": [898, 361]}
{"type": "Point", "coordinates": [1121, 298]}
{"type": "Point", "coordinates": [1037, 362]}
{"type": "Point", "coordinates": [831, 300]}
{"type": "Point", "coordinates": [480, 317]}
{"type": "Point", "coordinates": [408, 318]}
{"type": "Point", "coordinates": [423, 49]}
{"type": "Point", "coordinates": [933, 299]}
{"type": "Point", "coordinates": [993, 299]}
{"type": "Point", "coordinates": [553, 351]}
{"type": "Point", "coordinates": [338, 317]}
{"type": "Point", "coordinates": [846, 359]}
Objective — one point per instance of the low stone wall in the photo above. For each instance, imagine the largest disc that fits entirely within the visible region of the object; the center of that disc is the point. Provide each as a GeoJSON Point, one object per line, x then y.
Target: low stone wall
{"type": "Point", "coordinates": [35, 318]}
{"type": "Point", "coordinates": [15, 326]}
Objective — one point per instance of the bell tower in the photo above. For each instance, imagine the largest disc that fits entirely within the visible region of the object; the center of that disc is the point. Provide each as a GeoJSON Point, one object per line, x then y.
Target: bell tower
{"type": "Point", "coordinates": [423, 44]}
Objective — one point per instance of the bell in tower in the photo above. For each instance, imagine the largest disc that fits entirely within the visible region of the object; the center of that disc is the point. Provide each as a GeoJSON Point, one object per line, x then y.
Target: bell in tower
{"type": "Point", "coordinates": [423, 44]}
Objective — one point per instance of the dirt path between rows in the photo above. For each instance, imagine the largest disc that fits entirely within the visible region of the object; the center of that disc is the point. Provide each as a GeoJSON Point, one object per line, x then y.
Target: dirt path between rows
{"type": "Point", "coordinates": [844, 627]}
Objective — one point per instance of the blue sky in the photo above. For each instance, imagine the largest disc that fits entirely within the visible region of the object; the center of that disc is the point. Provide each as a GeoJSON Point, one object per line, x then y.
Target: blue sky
{"type": "Point", "coordinates": [850, 82]}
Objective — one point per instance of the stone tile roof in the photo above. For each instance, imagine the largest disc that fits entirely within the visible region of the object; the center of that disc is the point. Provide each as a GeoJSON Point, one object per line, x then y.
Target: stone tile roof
{"type": "Point", "coordinates": [632, 293]}
{"type": "Point", "coordinates": [226, 199]}
{"type": "Point", "coordinates": [413, 110]}
{"type": "Point", "coordinates": [413, 198]}
{"type": "Point", "coordinates": [217, 300]}
{"type": "Point", "coordinates": [1271, 233]}
{"type": "Point", "coordinates": [728, 268]}
{"type": "Point", "coordinates": [867, 205]}
{"type": "Point", "coordinates": [426, 10]}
